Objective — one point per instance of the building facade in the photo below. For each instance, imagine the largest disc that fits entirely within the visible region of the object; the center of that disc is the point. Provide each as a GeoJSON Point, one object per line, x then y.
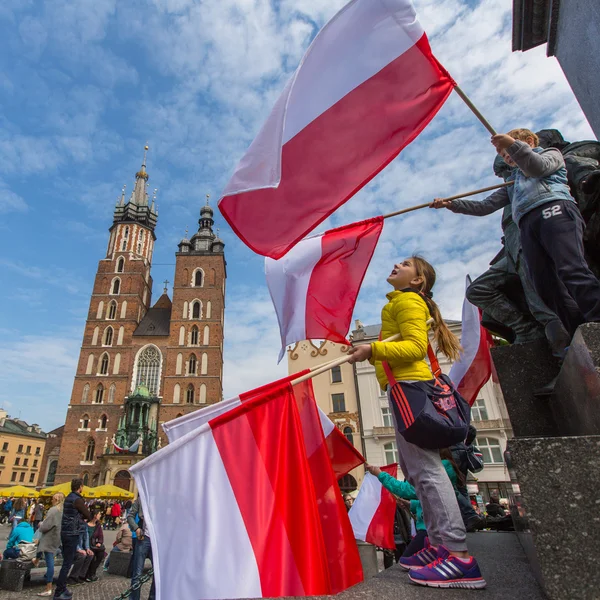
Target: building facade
{"type": "Point", "coordinates": [21, 452]}
{"type": "Point", "coordinates": [571, 31]}
{"type": "Point", "coordinates": [140, 363]}
{"type": "Point", "coordinates": [335, 393]}
{"type": "Point", "coordinates": [50, 459]}
{"type": "Point", "coordinates": [488, 413]}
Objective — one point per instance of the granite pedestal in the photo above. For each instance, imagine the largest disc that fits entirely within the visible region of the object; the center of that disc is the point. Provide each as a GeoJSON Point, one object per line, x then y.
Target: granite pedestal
{"type": "Point", "coordinates": [119, 563]}
{"type": "Point", "coordinates": [556, 461]}
{"type": "Point", "coordinates": [12, 575]}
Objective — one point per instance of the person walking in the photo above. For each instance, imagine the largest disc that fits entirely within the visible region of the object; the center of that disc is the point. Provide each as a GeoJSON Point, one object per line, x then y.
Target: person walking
{"type": "Point", "coordinates": [75, 513]}
{"type": "Point", "coordinates": [143, 548]}
{"type": "Point", "coordinates": [38, 515]}
{"type": "Point", "coordinates": [50, 540]}
{"type": "Point", "coordinates": [17, 513]}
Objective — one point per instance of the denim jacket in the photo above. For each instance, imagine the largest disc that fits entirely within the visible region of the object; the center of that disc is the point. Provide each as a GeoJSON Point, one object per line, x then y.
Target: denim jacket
{"type": "Point", "coordinates": [84, 538]}
{"type": "Point", "coordinates": [541, 177]}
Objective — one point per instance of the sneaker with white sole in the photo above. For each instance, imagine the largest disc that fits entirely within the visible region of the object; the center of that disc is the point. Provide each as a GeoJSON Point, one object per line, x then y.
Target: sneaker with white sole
{"type": "Point", "coordinates": [421, 559]}
{"type": "Point", "coordinates": [449, 571]}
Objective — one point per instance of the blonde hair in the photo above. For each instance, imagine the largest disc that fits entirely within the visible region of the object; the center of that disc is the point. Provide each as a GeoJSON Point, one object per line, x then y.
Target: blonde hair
{"type": "Point", "coordinates": [445, 340]}
{"type": "Point", "coordinates": [523, 134]}
{"type": "Point", "coordinates": [58, 500]}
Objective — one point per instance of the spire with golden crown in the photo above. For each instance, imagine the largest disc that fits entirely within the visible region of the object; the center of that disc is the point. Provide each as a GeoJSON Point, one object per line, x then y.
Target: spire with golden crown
{"type": "Point", "coordinates": [139, 195]}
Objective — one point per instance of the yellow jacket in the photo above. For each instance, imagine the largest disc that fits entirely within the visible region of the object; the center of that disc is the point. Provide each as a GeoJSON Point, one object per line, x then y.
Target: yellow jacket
{"type": "Point", "coordinates": [405, 313]}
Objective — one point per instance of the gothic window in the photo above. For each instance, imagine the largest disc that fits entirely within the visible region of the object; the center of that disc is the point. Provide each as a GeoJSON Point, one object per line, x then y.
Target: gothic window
{"type": "Point", "coordinates": [203, 394]}
{"type": "Point", "coordinates": [185, 310]}
{"type": "Point", "coordinates": [179, 364]}
{"type": "Point", "coordinates": [86, 478]}
{"type": "Point", "coordinates": [102, 422]}
{"type": "Point", "coordinates": [196, 309]}
{"type": "Point", "coordinates": [204, 365]}
{"type": "Point", "coordinates": [124, 310]}
{"type": "Point", "coordinates": [108, 336]}
{"type": "Point", "coordinates": [90, 365]}
{"type": "Point", "coordinates": [117, 364]}
{"type": "Point", "coordinates": [176, 393]}
{"type": "Point", "coordinates": [148, 369]}
{"type": "Point", "coordinates": [84, 422]}
{"type": "Point", "coordinates": [198, 278]}
{"type": "Point", "coordinates": [99, 394]}
{"type": "Point", "coordinates": [120, 265]}
{"type": "Point", "coordinates": [189, 396]}
{"type": "Point", "coordinates": [206, 335]}
{"type": "Point", "coordinates": [121, 334]}
{"type": "Point", "coordinates": [95, 336]}
{"type": "Point", "coordinates": [116, 286]}
{"type": "Point", "coordinates": [52, 468]}
{"type": "Point", "coordinates": [100, 310]}
{"type": "Point", "coordinates": [125, 238]}
{"type": "Point", "coordinates": [90, 451]}
{"type": "Point", "coordinates": [208, 309]}
{"type": "Point", "coordinates": [192, 363]}
{"type": "Point", "coordinates": [140, 241]}
{"type": "Point", "coordinates": [348, 434]}
{"type": "Point", "coordinates": [194, 336]}
{"type": "Point", "coordinates": [86, 393]}
{"type": "Point", "coordinates": [104, 364]}
{"type": "Point", "coordinates": [111, 314]}
{"type": "Point", "coordinates": [112, 390]}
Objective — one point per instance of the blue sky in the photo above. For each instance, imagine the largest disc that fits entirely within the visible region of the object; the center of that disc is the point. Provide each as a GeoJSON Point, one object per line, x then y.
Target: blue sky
{"type": "Point", "coordinates": [84, 85]}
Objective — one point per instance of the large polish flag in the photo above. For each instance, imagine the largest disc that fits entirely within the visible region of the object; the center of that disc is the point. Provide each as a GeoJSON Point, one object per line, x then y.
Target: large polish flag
{"type": "Point", "coordinates": [474, 367]}
{"type": "Point", "coordinates": [372, 514]}
{"type": "Point", "coordinates": [315, 285]}
{"type": "Point", "coordinates": [264, 496]}
{"type": "Point", "coordinates": [366, 87]}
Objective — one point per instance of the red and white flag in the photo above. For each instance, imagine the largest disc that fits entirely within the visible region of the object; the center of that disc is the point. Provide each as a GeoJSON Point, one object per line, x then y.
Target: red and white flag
{"type": "Point", "coordinates": [255, 499]}
{"type": "Point", "coordinates": [315, 285]}
{"type": "Point", "coordinates": [342, 454]}
{"type": "Point", "coordinates": [372, 514]}
{"type": "Point", "coordinates": [474, 367]}
{"type": "Point", "coordinates": [366, 87]}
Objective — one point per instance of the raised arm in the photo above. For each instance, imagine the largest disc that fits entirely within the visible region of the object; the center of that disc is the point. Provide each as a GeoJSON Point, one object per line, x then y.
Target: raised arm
{"type": "Point", "coordinates": [534, 164]}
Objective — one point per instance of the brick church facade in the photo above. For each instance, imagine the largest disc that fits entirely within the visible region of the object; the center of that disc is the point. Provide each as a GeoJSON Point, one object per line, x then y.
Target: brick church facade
{"type": "Point", "coordinates": [142, 364]}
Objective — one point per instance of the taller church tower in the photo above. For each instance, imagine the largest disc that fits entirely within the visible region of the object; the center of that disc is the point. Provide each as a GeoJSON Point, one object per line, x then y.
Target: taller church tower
{"type": "Point", "coordinates": [141, 365]}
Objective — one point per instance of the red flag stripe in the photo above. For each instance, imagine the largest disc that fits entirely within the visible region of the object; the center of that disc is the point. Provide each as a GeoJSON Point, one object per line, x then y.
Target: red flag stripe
{"type": "Point", "coordinates": [381, 528]}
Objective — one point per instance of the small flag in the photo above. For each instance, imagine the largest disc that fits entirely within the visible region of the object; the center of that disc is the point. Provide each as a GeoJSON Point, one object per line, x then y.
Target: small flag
{"type": "Point", "coordinates": [474, 367]}
{"type": "Point", "coordinates": [133, 448]}
{"type": "Point", "coordinates": [315, 285]}
{"type": "Point", "coordinates": [372, 514]}
{"type": "Point", "coordinates": [366, 87]}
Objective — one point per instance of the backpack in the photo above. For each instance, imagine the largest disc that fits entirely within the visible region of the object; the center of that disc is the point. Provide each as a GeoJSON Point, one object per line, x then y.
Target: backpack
{"type": "Point", "coordinates": [430, 414]}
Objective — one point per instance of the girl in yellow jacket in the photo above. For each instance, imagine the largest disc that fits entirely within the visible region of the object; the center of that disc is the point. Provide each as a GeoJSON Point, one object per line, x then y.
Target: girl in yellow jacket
{"type": "Point", "coordinates": [445, 562]}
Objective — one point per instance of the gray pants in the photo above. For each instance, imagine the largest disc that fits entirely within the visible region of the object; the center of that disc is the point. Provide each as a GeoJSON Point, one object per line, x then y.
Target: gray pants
{"type": "Point", "coordinates": [425, 472]}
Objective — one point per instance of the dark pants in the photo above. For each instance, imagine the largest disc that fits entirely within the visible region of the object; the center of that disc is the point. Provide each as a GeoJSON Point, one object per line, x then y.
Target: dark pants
{"type": "Point", "coordinates": [464, 503]}
{"type": "Point", "coordinates": [96, 560]}
{"type": "Point", "coordinates": [10, 553]}
{"type": "Point", "coordinates": [417, 544]}
{"type": "Point", "coordinates": [143, 551]}
{"type": "Point", "coordinates": [552, 242]}
{"type": "Point", "coordinates": [69, 547]}
{"type": "Point", "coordinates": [36, 524]}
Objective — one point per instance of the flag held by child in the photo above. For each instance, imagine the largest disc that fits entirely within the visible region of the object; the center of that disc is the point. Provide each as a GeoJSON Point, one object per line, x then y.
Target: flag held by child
{"type": "Point", "coordinates": [315, 285]}
{"type": "Point", "coordinates": [366, 87]}
{"type": "Point", "coordinates": [254, 502]}
{"type": "Point", "coordinates": [474, 367]}
{"type": "Point", "coordinates": [372, 514]}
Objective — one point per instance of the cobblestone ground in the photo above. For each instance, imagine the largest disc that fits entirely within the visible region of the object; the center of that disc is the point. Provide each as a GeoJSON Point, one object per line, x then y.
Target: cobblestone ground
{"type": "Point", "coordinates": [106, 588]}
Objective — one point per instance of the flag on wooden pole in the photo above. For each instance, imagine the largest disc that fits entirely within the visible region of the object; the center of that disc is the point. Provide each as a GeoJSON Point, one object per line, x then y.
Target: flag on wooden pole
{"type": "Point", "coordinates": [366, 87]}
{"type": "Point", "coordinates": [315, 285]}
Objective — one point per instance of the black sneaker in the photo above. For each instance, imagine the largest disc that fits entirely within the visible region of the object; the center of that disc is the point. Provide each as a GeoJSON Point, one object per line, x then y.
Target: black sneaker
{"type": "Point", "coordinates": [91, 579]}
{"type": "Point", "coordinates": [475, 523]}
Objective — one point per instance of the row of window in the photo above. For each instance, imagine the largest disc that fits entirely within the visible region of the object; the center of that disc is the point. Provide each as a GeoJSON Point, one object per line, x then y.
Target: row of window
{"type": "Point", "coordinates": [103, 364]}
{"type": "Point", "coordinates": [140, 240]}
{"type": "Point", "coordinates": [13, 477]}
{"type": "Point", "coordinates": [111, 310]}
{"type": "Point", "coordinates": [84, 423]}
{"type": "Point", "coordinates": [194, 309]}
{"type": "Point", "coordinates": [191, 364]}
{"type": "Point", "coordinates": [489, 447]}
{"type": "Point", "coordinates": [18, 462]}
{"type": "Point", "coordinates": [99, 394]}
{"type": "Point", "coordinates": [192, 396]}
{"type": "Point", "coordinates": [22, 449]}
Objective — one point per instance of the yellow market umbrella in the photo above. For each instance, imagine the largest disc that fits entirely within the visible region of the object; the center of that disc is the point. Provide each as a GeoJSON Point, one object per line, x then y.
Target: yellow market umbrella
{"type": "Point", "coordinates": [112, 491]}
{"type": "Point", "coordinates": [18, 491]}
{"type": "Point", "coordinates": [65, 488]}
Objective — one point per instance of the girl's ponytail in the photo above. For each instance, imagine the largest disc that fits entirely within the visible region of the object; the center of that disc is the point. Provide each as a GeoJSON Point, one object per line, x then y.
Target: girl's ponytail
{"type": "Point", "coordinates": [445, 340]}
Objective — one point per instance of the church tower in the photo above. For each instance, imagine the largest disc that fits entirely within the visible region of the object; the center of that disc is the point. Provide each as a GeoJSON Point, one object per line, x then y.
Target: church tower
{"type": "Point", "coordinates": [143, 364]}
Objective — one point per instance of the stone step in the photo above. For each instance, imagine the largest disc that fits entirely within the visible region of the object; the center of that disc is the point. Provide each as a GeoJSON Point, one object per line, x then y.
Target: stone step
{"type": "Point", "coordinates": [558, 512]}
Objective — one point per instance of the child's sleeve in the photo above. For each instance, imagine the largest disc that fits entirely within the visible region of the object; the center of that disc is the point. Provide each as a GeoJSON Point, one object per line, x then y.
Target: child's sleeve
{"type": "Point", "coordinates": [411, 319]}
{"type": "Point", "coordinates": [402, 489]}
{"type": "Point", "coordinates": [535, 164]}
{"type": "Point", "coordinates": [480, 208]}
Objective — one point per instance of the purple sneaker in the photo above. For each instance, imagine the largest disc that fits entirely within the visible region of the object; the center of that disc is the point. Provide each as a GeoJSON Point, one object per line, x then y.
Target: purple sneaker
{"type": "Point", "coordinates": [421, 559]}
{"type": "Point", "coordinates": [448, 571]}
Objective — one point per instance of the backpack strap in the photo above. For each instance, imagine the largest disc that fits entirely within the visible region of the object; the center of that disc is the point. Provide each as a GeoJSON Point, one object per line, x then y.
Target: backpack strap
{"type": "Point", "coordinates": [433, 361]}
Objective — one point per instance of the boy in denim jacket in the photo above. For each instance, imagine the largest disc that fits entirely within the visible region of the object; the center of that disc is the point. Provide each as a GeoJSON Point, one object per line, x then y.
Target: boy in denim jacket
{"type": "Point", "coordinates": [550, 225]}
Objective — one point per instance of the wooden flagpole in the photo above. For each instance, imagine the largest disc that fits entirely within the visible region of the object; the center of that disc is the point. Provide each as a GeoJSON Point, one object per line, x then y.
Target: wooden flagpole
{"type": "Point", "coordinates": [476, 112]}
{"type": "Point", "coordinates": [458, 196]}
